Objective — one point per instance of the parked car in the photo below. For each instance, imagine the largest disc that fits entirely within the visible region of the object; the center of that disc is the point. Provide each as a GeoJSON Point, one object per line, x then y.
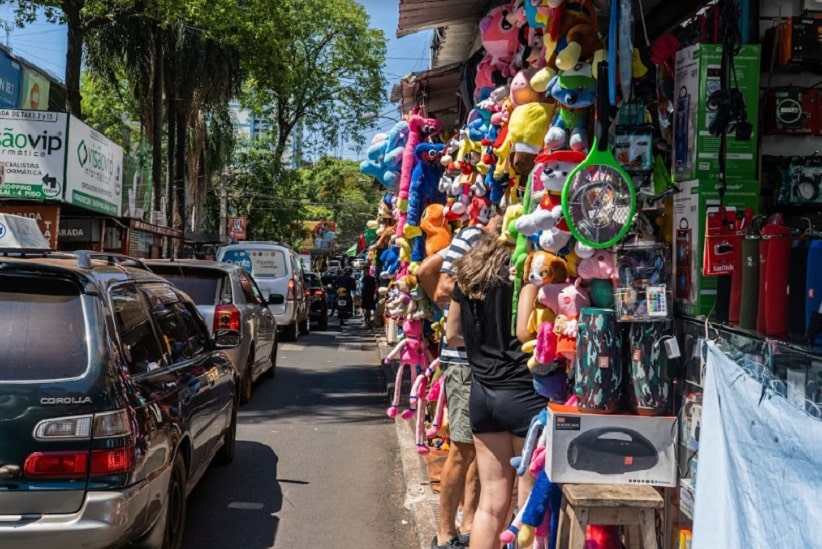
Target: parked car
{"type": "Point", "coordinates": [317, 300]}
{"type": "Point", "coordinates": [228, 298]}
{"type": "Point", "coordinates": [114, 399]}
{"type": "Point", "coordinates": [277, 269]}
{"type": "Point", "coordinates": [334, 266]}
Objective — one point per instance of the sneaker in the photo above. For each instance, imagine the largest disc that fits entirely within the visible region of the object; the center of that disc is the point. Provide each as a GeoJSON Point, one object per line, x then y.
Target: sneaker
{"type": "Point", "coordinates": [464, 537]}
{"type": "Point", "coordinates": [453, 543]}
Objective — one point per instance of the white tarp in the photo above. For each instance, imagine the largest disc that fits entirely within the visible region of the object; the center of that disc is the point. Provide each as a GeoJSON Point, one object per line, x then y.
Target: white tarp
{"type": "Point", "coordinates": [759, 478]}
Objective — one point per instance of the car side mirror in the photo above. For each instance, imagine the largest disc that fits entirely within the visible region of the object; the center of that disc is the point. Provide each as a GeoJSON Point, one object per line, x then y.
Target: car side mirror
{"type": "Point", "coordinates": [276, 299]}
{"type": "Point", "coordinates": [226, 339]}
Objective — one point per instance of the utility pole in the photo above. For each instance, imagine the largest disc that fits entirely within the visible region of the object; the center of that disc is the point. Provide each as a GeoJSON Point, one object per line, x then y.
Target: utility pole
{"type": "Point", "coordinates": [8, 26]}
{"type": "Point", "coordinates": [223, 205]}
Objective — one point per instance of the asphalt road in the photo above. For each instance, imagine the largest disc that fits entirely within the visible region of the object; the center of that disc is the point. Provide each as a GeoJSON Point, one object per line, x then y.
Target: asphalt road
{"type": "Point", "coordinates": [317, 461]}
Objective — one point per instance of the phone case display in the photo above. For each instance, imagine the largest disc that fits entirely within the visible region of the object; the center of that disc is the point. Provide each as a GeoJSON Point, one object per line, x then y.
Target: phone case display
{"type": "Point", "coordinates": [700, 105]}
{"type": "Point", "coordinates": [598, 361]}
{"type": "Point", "coordinates": [643, 287]}
{"type": "Point", "coordinates": [649, 345]}
{"type": "Point", "coordinates": [694, 293]}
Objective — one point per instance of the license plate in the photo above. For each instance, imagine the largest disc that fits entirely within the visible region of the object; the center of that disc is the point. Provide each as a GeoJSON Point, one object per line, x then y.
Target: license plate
{"type": "Point", "coordinates": [342, 303]}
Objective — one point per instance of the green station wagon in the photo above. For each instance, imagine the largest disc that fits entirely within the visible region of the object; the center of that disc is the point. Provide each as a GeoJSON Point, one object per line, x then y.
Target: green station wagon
{"type": "Point", "coordinates": [114, 398]}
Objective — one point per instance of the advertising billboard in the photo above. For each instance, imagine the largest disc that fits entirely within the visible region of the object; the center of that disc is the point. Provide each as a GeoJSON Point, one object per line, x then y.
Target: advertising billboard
{"type": "Point", "coordinates": [34, 90]}
{"type": "Point", "coordinates": [94, 170]}
{"type": "Point", "coordinates": [10, 75]}
{"type": "Point", "coordinates": [32, 154]}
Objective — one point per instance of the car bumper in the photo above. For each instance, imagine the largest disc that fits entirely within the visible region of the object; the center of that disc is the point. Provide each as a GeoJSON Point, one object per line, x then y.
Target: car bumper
{"type": "Point", "coordinates": [106, 519]}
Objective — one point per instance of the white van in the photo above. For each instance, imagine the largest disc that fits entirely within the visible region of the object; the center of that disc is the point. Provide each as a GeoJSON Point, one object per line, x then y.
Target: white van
{"type": "Point", "coordinates": [277, 269]}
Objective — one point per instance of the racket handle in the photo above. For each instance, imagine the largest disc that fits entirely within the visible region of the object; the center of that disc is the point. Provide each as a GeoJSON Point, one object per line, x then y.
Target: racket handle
{"type": "Point", "coordinates": [603, 107]}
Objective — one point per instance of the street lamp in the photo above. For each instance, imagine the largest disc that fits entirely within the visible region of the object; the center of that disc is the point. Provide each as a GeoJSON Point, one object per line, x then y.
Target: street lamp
{"type": "Point", "coordinates": [373, 116]}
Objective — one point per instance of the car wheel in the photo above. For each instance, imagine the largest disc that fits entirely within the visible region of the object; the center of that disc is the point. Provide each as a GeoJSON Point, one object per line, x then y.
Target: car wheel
{"type": "Point", "coordinates": [290, 332]}
{"type": "Point", "coordinates": [225, 454]}
{"type": "Point", "coordinates": [247, 379]}
{"type": "Point", "coordinates": [176, 505]}
{"type": "Point", "coordinates": [305, 326]}
{"type": "Point", "coordinates": [273, 369]}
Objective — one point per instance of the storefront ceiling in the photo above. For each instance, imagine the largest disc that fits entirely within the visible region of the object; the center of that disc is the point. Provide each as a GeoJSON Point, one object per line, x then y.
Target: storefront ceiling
{"type": "Point", "coordinates": [417, 15]}
{"type": "Point", "coordinates": [435, 90]}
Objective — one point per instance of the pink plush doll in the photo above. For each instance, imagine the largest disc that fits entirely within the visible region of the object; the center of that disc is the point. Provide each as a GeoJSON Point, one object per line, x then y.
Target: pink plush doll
{"type": "Point", "coordinates": [410, 351]}
{"type": "Point", "coordinates": [418, 128]}
{"type": "Point", "coordinates": [565, 300]}
{"type": "Point", "coordinates": [417, 411]}
{"type": "Point", "coordinates": [499, 34]}
{"type": "Point", "coordinates": [436, 394]}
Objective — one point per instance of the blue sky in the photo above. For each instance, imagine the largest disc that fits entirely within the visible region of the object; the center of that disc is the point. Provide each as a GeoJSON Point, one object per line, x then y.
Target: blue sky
{"type": "Point", "coordinates": [44, 45]}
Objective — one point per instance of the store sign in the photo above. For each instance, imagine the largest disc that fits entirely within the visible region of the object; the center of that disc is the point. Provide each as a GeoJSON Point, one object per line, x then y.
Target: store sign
{"type": "Point", "coordinates": [10, 76]}
{"type": "Point", "coordinates": [32, 154]}
{"type": "Point", "coordinates": [34, 91]}
{"type": "Point", "coordinates": [94, 170]}
{"type": "Point", "coordinates": [79, 230]}
{"type": "Point", "coordinates": [237, 227]}
{"type": "Point", "coordinates": [45, 216]}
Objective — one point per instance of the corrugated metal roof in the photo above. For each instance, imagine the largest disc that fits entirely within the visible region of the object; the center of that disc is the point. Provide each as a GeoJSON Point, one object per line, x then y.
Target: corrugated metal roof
{"type": "Point", "coordinates": [435, 90]}
{"type": "Point", "coordinates": [417, 15]}
{"type": "Point", "coordinates": [455, 43]}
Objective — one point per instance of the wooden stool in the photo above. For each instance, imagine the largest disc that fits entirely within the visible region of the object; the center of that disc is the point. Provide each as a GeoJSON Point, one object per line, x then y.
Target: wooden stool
{"type": "Point", "coordinates": [612, 504]}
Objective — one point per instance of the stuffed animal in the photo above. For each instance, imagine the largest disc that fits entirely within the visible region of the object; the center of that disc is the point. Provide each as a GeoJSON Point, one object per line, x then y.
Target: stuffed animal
{"type": "Point", "coordinates": [526, 132]}
{"type": "Point", "coordinates": [574, 91]}
{"type": "Point", "coordinates": [499, 36]}
{"type": "Point", "coordinates": [384, 156]}
{"type": "Point", "coordinates": [418, 129]}
{"type": "Point", "coordinates": [509, 234]}
{"type": "Point", "coordinates": [572, 36]}
{"type": "Point", "coordinates": [543, 350]}
{"type": "Point", "coordinates": [412, 352]}
{"type": "Point", "coordinates": [424, 188]}
{"type": "Point", "coordinates": [436, 393]}
{"type": "Point", "coordinates": [390, 261]}
{"type": "Point", "coordinates": [544, 268]}
{"type": "Point", "coordinates": [598, 273]}
{"type": "Point", "coordinates": [565, 300]}
{"type": "Point", "coordinates": [479, 212]}
{"type": "Point", "coordinates": [436, 228]}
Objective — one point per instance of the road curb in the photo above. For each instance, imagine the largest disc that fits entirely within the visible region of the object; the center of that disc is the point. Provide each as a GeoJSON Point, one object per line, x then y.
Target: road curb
{"type": "Point", "coordinates": [420, 499]}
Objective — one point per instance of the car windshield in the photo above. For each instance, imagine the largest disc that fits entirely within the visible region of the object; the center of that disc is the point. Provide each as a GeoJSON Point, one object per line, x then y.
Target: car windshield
{"type": "Point", "coordinates": [260, 263]}
{"type": "Point", "coordinates": [204, 286]}
{"type": "Point", "coordinates": [42, 329]}
{"type": "Point", "coordinates": [312, 280]}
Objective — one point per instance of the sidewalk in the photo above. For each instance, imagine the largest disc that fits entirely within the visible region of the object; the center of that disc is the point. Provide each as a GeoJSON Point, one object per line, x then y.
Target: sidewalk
{"type": "Point", "coordinates": [421, 473]}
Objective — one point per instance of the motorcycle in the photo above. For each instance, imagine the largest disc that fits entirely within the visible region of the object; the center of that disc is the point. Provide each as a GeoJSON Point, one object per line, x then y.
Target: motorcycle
{"type": "Point", "coordinates": [344, 305]}
{"type": "Point", "coordinates": [331, 297]}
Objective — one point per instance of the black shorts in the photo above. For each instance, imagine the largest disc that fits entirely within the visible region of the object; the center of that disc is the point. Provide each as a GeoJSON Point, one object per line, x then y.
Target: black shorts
{"type": "Point", "coordinates": [500, 410]}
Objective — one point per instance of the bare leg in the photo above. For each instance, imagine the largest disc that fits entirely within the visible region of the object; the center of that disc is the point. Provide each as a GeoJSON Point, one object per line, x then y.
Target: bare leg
{"type": "Point", "coordinates": [494, 452]}
{"type": "Point", "coordinates": [452, 480]}
{"type": "Point", "coordinates": [470, 497]}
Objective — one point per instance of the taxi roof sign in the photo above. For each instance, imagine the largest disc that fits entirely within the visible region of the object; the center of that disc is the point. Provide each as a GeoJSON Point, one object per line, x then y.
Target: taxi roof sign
{"type": "Point", "coordinates": [18, 233]}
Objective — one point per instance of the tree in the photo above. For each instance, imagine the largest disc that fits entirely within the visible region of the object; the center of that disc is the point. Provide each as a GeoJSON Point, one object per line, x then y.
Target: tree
{"type": "Point", "coordinates": [312, 63]}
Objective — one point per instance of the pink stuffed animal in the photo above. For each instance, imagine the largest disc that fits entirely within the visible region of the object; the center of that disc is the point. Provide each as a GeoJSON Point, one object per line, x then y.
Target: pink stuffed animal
{"type": "Point", "coordinates": [418, 129]}
{"type": "Point", "coordinates": [565, 300]}
{"type": "Point", "coordinates": [410, 351]}
{"type": "Point", "coordinates": [436, 394]}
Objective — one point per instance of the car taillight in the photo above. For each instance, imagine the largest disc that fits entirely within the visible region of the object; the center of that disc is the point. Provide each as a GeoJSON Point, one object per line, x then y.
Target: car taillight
{"type": "Point", "coordinates": [319, 292]}
{"type": "Point", "coordinates": [75, 464]}
{"type": "Point", "coordinates": [79, 463]}
{"type": "Point", "coordinates": [226, 316]}
{"type": "Point", "coordinates": [290, 295]}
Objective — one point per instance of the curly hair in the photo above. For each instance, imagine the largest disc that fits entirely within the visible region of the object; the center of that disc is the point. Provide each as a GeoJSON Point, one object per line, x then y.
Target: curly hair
{"type": "Point", "coordinates": [484, 265]}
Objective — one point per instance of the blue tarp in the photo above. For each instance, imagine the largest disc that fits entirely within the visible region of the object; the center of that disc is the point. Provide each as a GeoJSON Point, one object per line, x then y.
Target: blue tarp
{"type": "Point", "coordinates": [759, 480]}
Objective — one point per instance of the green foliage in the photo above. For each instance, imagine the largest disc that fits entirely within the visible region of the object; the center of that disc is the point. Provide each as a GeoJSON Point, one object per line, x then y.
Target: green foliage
{"type": "Point", "coordinates": [110, 109]}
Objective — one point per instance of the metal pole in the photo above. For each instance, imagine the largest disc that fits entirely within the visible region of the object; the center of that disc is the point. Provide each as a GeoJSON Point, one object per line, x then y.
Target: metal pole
{"type": "Point", "coordinates": [223, 205]}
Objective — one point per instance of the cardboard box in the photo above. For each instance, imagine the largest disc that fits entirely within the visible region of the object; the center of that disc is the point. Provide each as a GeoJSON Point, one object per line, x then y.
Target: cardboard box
{"type": "Point", "coordinates": [696, 151]}
{"type": "Point", "coordinates": [695, 294]}
{"type": "Point", "coordinates": [609, 448]}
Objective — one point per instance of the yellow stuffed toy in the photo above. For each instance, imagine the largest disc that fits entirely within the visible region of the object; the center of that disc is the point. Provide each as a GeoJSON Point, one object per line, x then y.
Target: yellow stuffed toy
{"type": "Point", "coordinates": [527, 127]}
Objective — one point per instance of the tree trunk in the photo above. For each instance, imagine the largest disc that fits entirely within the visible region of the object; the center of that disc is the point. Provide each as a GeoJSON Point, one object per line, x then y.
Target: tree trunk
{"type": "Point", "coordinates": [157, 122]}
{"type": "Point", "coordinates": [74, 55]}
{"type": "Point", "coordinates": [171, 142]}
{"type": "Point", "coordinates": [180, 177]}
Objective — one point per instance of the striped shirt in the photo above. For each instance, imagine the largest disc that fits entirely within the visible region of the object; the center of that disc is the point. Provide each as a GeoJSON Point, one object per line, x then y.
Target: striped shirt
{"type": "Point", "coordinates": [461, 243]}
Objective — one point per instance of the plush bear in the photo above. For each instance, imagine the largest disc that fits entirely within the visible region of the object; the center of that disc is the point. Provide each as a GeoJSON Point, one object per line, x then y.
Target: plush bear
{"type": "Point", "coordinates": [565, 300]}
{"type": "Point", "coordinates": [436, 228]}
{"type": "Point", "coordinates": [424, 188]}
{"type": "Point", "coordinates": [598, 273]}
{"type": "Point", "coordinates": [574, 91]}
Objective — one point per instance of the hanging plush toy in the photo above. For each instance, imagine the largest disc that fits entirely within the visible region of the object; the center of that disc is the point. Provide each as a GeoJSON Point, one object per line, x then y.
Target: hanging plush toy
{"type": "Point", "coordinates": [419, 128]}
{"type": "Point", "coordinates": [384, 156]}
{"type": "Point", "coordinates": [574, 91]}
{"type": "Point", "coordinates": [543, 268]}
{"type": "Point", "coordinates": [565, 300]}
{"type": "Point", "coordinates": [526, 131]}
{"type": "Point", "coordinates": [436, 228]}
{"type": "Point", "coordinates": [411, 352]}
{"type": "Point", "coordinates": [499, 36]}
{"type": "Point", "coordinates": [436, 393]}
{"type": "Point", "coordinates": [424, 188]}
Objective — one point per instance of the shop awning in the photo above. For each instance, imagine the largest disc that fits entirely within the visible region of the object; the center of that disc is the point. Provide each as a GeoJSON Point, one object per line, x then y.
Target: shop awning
{"type": "Point", "coordinates": [417, 15]}
{"type": "Point", "coordinates": [435, 90]}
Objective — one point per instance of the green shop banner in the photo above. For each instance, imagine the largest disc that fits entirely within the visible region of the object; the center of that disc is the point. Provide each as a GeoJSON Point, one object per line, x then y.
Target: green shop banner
{"type": "Point", "coordinates": [94, 170]}
{"type": "Point", "coordinates": [32, 154]}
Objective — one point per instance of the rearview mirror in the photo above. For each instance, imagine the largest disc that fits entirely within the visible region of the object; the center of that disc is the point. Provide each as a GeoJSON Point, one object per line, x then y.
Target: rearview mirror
{"type": "Point", "coordinates": [226, 339]}
{"type": "Point", "coordinates": [276, 299]}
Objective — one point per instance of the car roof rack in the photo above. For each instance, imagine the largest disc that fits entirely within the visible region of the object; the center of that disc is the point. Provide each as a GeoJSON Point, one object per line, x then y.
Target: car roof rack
{"type": "Point", "coordinates": [84, 258]}
{"type": "Point", "coordinates": [25, 252]}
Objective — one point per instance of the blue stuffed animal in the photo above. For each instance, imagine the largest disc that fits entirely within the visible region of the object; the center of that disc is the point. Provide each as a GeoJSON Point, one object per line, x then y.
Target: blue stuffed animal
{"type": "Point", "coordinates": [424, 189]}
{"type": "Point", "coordinates": [384, 156]}
{"type": "Point", "coordinates": [575, 92]}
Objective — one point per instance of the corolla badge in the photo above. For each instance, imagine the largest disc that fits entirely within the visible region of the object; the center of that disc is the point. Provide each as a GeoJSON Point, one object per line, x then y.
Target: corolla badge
{"type": "Point", "coordinates": [52, 401]}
